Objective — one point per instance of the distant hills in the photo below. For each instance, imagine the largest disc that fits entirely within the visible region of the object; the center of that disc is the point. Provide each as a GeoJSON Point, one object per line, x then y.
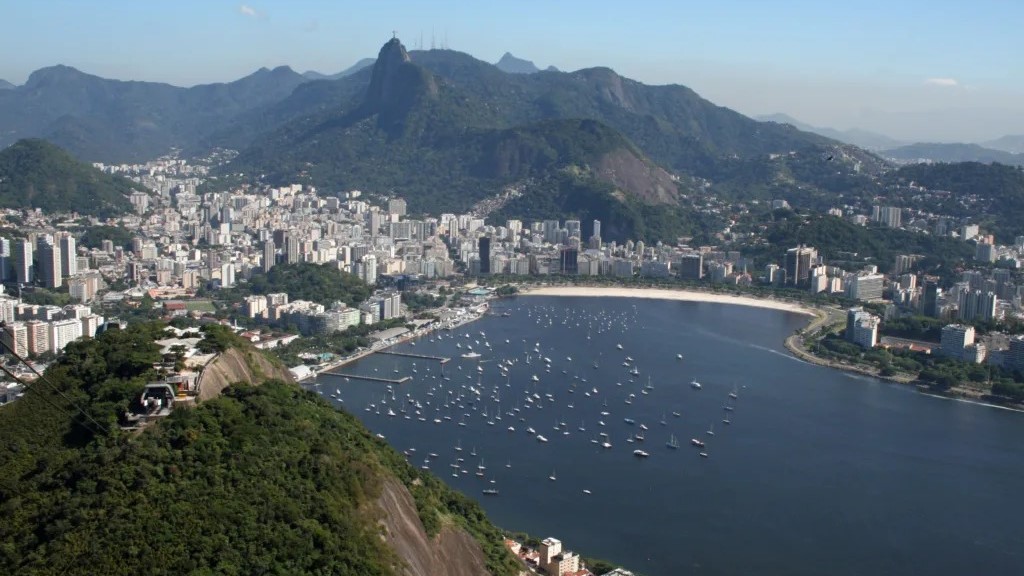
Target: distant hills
{"type": "Point", "coordinates": [5, 85]}
{"type": "Point", "coordinates": [363, 63]}
{"type": "Point", "coordinates": [114, 121]}
{"type": "Point", "coordinates": [37, 174]}
{"type": "Point", "coordinates": [447, 130]}
{"type": "Point", "coordinates": [1010, 143]}
{"type": "Point", "coordinates": [855, 136]}
{"type": "Point", "coordinates": [942, 152]}
{"type": "Point", "coordinates": [513, 65]}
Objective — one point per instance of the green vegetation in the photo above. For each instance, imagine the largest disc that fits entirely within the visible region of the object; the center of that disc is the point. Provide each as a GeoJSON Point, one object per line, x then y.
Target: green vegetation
{"type": "Point", "coordinates": [452, 130]}
{"type": "Point", "coordinates": [1003, 185]}
{"type": "Point", "coordinates": [888, 362]}
{"type": "Point", "coordinates": [44, 297]}
{"type": "Point", "coordinates": [914, 327]}
{"type": "Point", "coordinates": [305, 281]}
{"type": "Point", "coordinates": [263, 480]}
{"type": "Point", "coordinates": [419, 301]}
{"type": "Point", "coordinates": [37, 174]}
{"type": "Point", "coordinates": [838, 240]}
{"type": "Point", "coordinates": [93, 237]}
{"type": "Point", "coordinates": [584, 197]}
{"type": "Point", "coordinates": [339, 343]}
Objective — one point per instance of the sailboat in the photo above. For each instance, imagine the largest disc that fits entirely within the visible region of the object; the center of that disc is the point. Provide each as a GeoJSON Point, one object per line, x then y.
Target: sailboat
{"type": "Point", "coordinates": [711, 430]}
{"type": "Point", "coordinates": [733, 394]}
{"type": "Point", "coordinates": [552, 477]}
{"type": "Point", "coordinates": [672, 442]}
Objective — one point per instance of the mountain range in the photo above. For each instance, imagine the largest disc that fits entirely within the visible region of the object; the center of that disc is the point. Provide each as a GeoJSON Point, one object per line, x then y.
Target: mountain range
{"type": "Point", "coordinates": [359, 65]}
{"type": "Point", "coordinates": [5, 85]}
{"type": "Point", "coordinates": [1009, 143]}
{"type": "Point", "coordinates": [447, 130]}
{"type": "Point", "coordinates": [855, 136]}
{"type": "Point", "coordinates": [943, 152]}
{"type": "Point", "coordinates": [115, 121]}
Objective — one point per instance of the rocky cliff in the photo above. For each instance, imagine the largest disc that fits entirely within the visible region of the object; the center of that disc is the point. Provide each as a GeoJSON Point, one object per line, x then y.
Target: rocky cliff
{"type": "Point", "coordinates": [236, 365]}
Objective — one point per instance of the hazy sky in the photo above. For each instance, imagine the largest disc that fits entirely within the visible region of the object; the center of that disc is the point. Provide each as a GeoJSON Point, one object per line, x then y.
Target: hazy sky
{"type": "Point", "coordinates": [911, 69]}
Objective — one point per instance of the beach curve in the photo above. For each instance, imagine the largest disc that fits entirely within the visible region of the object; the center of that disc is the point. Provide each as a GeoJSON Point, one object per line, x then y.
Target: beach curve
{"type": "Point", "coordinates": [667, 294]}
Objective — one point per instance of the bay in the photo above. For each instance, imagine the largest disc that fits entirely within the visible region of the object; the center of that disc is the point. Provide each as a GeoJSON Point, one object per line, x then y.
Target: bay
{"type": "Point", "coordinates": [817, 472]}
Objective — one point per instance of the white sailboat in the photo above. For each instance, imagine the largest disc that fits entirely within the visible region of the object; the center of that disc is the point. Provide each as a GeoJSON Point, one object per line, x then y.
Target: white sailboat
{"type": "Point", "coordinates": [672, 443]}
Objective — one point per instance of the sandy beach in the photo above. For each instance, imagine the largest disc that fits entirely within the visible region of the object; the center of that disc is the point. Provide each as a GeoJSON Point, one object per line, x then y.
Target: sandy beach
{"type": "Point", "coordinates": [664, 294]}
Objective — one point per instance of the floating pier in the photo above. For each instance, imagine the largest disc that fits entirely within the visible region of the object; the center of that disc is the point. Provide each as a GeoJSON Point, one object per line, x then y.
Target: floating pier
{"type": "Point", "coordinates": [440, 359]}
{"type": "Point", "coordinates": [401, 380]}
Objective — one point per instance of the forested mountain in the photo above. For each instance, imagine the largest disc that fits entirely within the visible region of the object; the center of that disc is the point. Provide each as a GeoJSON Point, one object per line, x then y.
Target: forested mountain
{"type": "Point", "coordinates": [265, 479]}
{"type": "Point", "coordinates": [97, 119]}
{"type": "Point", "coordinates": [37, 174]}
{"type": "Point", "coordinates": [446, 130]}
{"type": "Point", "coordinates": [5, 85]}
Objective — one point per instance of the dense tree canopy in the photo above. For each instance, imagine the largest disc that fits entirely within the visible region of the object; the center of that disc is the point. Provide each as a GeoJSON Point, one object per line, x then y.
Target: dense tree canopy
{"type": "Point", "coordinates": [263, 480]}
{"type": "Point", "coordinates": [324, 284]}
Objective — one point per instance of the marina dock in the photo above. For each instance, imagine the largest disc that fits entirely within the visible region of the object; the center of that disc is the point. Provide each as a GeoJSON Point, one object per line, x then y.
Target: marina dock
{"type": "Point", "coordinates": [401, 380]}
{"type": "Point", "coordinates": [440, 359]}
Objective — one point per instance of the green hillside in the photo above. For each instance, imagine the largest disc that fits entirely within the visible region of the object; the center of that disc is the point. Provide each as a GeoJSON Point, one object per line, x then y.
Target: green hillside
{"type": "Point", "coordinates": [37, 174]}
{"type": "Point", "coordinates": [263, 480]}
{"type": "Point", "coordinates": [1000, 189]}
{"type": "Point", "coordinates": [445, 130]}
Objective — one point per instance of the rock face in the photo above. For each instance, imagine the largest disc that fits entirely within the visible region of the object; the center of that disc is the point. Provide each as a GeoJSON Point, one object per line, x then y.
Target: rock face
{"type": "Point", "coordinates": [453, 552]}
{"type": "Point", "coordinates": [236, 365]}
{"type": "Point", "coordinates": [396, 84]}
{"type": "Point", "coordinates": [645, 180]}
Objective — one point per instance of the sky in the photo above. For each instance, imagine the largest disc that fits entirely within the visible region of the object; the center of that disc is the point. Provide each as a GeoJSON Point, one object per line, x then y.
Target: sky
{"type": "Point", "coordinates": [916, 70]}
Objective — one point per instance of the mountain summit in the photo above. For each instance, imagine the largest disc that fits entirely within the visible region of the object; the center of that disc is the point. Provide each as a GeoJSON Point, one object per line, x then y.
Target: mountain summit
{"type": "Point", "coordinates": [513, 65]}
{"type": "Point", "coordinates": [396, 84]}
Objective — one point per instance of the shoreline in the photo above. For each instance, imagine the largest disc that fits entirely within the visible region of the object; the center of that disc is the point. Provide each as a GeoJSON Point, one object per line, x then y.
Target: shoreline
{"type": "Point", "coordinates": [413, 335]}
{"type": "Point", "coordinates": [794, 343]}
{"type": "Point", "coordinates": [682, 295]}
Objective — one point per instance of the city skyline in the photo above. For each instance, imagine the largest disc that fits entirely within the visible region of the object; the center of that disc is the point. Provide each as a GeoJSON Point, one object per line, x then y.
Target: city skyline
{"type": "Point", "coordinates": [917, 71]}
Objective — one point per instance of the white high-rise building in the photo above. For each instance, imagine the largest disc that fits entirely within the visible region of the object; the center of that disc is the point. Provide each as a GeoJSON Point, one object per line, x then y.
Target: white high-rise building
{"type": "Point", "coordinates": [15, 337]}
{"type": "Point", "coordinates": [63, 332]}
{"type": "Point", "coordinates": [227, 275]}
{"type": "Point", "coordinates": [68, 256]}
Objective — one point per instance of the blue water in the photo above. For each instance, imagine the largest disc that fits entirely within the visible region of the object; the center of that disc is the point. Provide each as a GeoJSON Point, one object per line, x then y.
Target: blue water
{"type": "Point", "coordinates": [819, 472]}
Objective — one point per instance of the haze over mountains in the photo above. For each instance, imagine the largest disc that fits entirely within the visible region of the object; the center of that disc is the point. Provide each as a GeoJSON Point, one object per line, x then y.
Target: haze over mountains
{"type": "Point", "coordinates": [116, 121]}
{"type": "Point", "coordinates": [863, 138]}
{"type": "Point", "coordinates": [447, 131]}
{"type": "Point", "coordinates": [1005, 150]}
